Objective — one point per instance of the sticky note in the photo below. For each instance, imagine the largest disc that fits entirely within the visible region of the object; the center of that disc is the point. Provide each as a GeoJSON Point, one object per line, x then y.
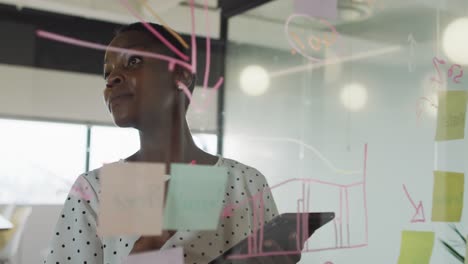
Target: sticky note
{"type": "Point", "coordinates": [447, 196]}
{"type": "Point", "coordinates": [131, 200]}
{"type": "Point", "coordinates": [167, 256]}
{"type": "Point", "coordinates": [416, 247]}
{"type": "Point", "coordinates": [451, 115]}
{"type": "Point", "coordinates": [327, 9]}
{"type": "Point", "coordinates": [194, 198]}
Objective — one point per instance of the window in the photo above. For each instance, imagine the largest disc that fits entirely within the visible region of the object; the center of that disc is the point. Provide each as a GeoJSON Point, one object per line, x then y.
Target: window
{"type": "Point", "coordinates": [40, 160]}
{"type": "Point", "coordinates": [110, 144]}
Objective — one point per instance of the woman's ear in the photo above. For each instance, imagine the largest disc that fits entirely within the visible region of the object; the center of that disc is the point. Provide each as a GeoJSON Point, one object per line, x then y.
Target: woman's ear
{"type": "Point", "coordinates": [184, 76]}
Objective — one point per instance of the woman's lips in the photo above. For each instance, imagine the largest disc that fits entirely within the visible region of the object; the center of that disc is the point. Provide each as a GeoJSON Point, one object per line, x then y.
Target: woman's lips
{"type": "Point", "coordinates": [120, 99]}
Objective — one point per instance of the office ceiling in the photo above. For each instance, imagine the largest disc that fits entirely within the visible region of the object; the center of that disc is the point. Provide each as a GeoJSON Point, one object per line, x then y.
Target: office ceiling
{"type": "Point", "coordinates": [387, 23]}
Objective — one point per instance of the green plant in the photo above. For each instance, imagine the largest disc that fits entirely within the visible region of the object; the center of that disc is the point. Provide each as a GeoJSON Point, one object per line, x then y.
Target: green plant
{"type": "Point", "coordinates": [451, 249]}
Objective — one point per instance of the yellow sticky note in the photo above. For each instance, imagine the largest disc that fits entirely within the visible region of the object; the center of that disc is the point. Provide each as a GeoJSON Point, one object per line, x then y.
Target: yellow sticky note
{"type": "Point", "coordinates": [447, 197]}
{"type": "Point", "coordinates": [131, 201]}
{"type": "Point", "coordinates": [416, 247]}
{"type": "Point", "coordinates": [451, 115]}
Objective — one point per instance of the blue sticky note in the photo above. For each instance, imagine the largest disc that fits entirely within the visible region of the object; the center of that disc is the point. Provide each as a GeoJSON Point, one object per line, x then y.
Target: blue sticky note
{"type": "Point", "coordinates": [327, 9]}
{"type": "Point", "coordinates": [194, 198]}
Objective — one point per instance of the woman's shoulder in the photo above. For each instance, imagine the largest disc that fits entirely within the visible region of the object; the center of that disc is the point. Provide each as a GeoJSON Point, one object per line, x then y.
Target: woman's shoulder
{"type": "Point", "coordinates": [86, 186]}
{"type": "Point", "coordinates": [234, 165]}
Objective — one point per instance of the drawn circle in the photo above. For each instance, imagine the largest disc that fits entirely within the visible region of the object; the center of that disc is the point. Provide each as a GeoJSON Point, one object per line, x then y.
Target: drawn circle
{"type": "Point", "coordinates": [294, 46]}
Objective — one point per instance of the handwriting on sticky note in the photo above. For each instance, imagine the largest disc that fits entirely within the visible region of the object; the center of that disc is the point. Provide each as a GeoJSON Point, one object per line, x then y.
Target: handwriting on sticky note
{"type": "Point", "coordinates": [451, 115]}
{"type": "Point", "coordinates": [167, 256]}
{"type": "Point", "coordinates": [416, 247]}
{"type": "Point", "coordinates": [194, 198]}
{"type": "Point", "coordinates": [133, 194]}
{"type": "Point", "coordinates": [447, 197]}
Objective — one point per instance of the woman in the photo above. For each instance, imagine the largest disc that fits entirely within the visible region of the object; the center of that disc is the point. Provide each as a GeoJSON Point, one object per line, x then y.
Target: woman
{"type": "Point", "coordinates": [145, 94]}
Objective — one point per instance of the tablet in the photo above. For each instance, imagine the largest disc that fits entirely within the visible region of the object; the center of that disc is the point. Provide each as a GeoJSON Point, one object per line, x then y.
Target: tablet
{"type": "Point", "coordinates": [279, 229]}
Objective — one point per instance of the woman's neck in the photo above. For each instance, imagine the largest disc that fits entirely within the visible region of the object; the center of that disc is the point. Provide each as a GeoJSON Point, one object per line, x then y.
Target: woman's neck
{"type": "Point", "coordinates": [166, 145]}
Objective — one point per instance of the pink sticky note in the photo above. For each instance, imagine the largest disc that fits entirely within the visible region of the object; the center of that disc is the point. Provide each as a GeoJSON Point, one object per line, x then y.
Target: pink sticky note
{"type": "Point", "coordinates": [327, 9]}
{"type": "Point", "coordinates": [131, 201]}
{"type": "Point", "coordinates": [167, 256]}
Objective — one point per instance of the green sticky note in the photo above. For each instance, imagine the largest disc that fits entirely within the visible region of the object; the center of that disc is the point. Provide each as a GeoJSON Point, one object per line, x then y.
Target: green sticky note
{"type": "Point", "coordinates": [447, 197]}
{"type": "Point", "coordinates": [194, 198]}
{"type": "Point", "coordinates": [416, 247]}
{"type": "Point", "coordinates": [451, 115]}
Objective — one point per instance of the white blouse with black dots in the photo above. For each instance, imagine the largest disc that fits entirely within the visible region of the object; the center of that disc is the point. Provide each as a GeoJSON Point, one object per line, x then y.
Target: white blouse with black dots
{"type": "Point", "coordinates": [75, 239]}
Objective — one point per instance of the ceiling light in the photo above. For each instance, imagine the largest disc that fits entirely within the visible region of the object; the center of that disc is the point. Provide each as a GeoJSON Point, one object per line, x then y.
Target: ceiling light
{"type": "Point", "coordinates": [254, 80]}
{"type": "Point", "coordinates": [354, 96]}
{"type": "Point", "coordinates": [455, 41]}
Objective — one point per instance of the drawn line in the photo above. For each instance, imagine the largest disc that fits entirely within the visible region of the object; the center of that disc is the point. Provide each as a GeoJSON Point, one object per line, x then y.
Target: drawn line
{"type": "Point", "coordinates": [311, 148]}
{"type": "Point", "coordinates": [409, 197]}
{"type": "Point", "coordinates": [154, 31]}
{"type": "Point", "coordinates": [96, 46]}
{"type": "Point", "coordinates": [311, 66]}
{"type": "Point", "coordinates": [194, 42]}
{"type": "Point", "coordinates": [364, 187]}
{"type": "Point", "coordinates": [164, 24]}
{"type": "Point", "coordinates": [295, 252]}
{"type": "Point", "coordinates": [208, 48]}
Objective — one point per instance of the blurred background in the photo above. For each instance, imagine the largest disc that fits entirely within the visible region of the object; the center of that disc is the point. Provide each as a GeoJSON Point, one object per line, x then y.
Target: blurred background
{"type": "Point", "coordinates": [342, 92]}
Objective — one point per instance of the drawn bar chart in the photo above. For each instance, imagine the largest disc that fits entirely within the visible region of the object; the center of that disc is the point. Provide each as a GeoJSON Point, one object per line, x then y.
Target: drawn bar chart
{"type": "Point", "coordinates": [341, 222]}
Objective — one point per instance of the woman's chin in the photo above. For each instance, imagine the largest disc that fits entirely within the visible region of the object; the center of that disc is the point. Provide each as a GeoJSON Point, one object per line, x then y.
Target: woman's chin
{"type": "Point", "coordinates": [124, 122]}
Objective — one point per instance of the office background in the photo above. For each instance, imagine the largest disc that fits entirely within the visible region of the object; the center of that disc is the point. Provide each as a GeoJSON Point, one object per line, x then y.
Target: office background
{"type": "Point", "coordinates": [355, 116]}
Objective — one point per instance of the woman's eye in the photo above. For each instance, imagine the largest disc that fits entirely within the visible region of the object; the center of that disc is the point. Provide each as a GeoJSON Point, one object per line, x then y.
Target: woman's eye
{"type": "Point", "coordinates": [133, 60]}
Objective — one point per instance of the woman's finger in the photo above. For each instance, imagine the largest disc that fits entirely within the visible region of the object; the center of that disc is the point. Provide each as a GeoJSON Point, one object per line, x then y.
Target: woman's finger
{"type": "Point", "coordinates": [280, 257]}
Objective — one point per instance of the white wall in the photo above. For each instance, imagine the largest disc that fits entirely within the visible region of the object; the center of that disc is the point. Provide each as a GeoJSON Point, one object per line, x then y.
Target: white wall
{"type": "Point", "coordinates": [57, 95]}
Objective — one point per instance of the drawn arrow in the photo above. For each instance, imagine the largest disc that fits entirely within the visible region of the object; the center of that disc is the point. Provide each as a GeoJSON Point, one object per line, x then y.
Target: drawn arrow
{"type": "Point", "coordinates": [412, 44]}
{"type": "Point", "coordinates": [419, 214]}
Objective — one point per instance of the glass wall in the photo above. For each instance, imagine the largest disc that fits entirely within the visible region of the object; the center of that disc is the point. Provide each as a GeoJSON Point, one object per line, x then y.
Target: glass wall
{"type": "Point", "coordinates": [344, 108]}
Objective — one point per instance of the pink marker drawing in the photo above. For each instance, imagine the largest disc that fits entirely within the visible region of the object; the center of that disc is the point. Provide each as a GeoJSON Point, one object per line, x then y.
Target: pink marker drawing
{"type": "Point", "coordinates": [171, 61]}
{"type": "Point", "coordinates": [81, 189]}
{"type": "Point", "coordinates": [456, 79]}
{"type": "Point", "coordinates": [314, 42]}
{"type": "Point", "coordinates": [419, 213]}
{"type": "Point", "coordinates": [341, 222]}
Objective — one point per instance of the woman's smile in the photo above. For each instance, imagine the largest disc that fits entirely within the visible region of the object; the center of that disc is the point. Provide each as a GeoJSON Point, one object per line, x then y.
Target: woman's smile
{"type": "Point", "coordinates": [121, 99]}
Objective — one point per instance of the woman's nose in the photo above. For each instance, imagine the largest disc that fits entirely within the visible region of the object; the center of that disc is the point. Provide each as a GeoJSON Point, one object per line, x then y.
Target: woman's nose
{"type": "Point", "coordinates": [114, 80]}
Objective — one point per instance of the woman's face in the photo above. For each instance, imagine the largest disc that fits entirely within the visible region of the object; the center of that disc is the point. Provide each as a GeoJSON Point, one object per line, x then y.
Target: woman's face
{"type": "Point", "coordinates": [138, 89]}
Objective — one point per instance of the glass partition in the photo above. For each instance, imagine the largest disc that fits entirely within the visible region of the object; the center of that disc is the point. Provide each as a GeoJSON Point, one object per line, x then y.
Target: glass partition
{"type": "Point", "coordinates": [358, 108]}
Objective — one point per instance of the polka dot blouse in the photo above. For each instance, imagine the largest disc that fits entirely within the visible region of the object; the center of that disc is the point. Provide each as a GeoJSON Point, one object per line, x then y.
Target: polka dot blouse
{"type": "Point", "coordinates": [75, 239]}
